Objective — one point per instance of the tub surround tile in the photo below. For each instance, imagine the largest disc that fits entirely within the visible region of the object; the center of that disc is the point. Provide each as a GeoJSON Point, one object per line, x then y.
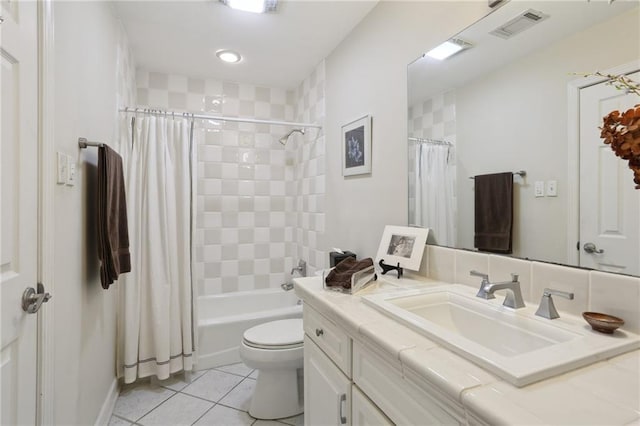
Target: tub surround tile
{"type": "Point", "coordinates": [213, 385]}
{"type": "Point", "coordinates": [178, 410]}
{"type": "Point", "coordinates": [617, 295]}
{"type": "Point", "coordinates": [134, 402]}
{"type": "Point", "coordinates": [240, 396]}
{"type": "Point", "coordinates": [467, 261]}
{"type": "Point", "coordinates": [501, 268]}
{"type": "Point", "coordinates": [546, 275]}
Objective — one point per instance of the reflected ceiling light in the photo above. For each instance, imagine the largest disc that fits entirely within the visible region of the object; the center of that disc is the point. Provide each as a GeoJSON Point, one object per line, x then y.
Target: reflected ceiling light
{"type": "Point", "coordinates": [254, 6]}
{"type": "Point", "coordinates": [448, 48]}
{"type": "Point", "coordinates": [228, 56]}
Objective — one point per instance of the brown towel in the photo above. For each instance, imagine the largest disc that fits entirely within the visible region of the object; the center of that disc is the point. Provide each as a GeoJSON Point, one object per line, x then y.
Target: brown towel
{"type": "Point", "coordinates": [494, 212]}
{"type": "Point", "coordinates": [340, 276]}
{"type": "Point", "coordinates": [113, 231]}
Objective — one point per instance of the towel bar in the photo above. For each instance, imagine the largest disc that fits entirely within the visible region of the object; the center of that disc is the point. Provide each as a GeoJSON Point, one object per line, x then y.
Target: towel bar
{"type": "Point", "coordinates": [521, 173]}
{"type": "Point", "coordinates": [84, 143]}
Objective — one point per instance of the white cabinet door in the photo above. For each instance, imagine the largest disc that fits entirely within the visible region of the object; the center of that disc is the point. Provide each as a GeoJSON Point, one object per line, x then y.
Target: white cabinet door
{"type": "Point", "coordinates": [19, 208]}
{"type": "Point", "coordinates": [327, 392]}
{"type": "Point", "coordinates": [365, 413]}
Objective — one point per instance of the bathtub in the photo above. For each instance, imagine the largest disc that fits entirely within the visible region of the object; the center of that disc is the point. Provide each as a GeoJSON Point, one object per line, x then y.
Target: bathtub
{"type": "Point", "coordinates": [223, 318]}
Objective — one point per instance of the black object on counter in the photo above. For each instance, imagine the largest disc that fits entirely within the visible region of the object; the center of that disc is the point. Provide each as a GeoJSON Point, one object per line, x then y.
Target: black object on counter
{"type": "Point", "coordinates": [335, 257]}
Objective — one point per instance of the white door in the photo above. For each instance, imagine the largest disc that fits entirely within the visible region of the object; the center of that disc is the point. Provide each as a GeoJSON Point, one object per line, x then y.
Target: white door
{"type": "Point", "coordinates": [18, 212]}
{"type": "Point", "coordinates": [327, 392]}
{"type": "Point", "coordinates": [609, 202]}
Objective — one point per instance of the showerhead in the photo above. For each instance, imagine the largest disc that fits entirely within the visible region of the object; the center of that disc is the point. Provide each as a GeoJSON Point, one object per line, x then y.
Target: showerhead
{"type": "Point", "coordinates": [285, 138]}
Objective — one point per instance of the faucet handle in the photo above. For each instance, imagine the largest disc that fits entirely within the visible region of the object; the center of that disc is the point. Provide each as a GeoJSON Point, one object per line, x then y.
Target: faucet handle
{"type": "Point", "coordinates": [547, 309]}
{"type": "Point", "coordinates": [474, 273]}
{"type": "Point", "coordinates": [514, 277]}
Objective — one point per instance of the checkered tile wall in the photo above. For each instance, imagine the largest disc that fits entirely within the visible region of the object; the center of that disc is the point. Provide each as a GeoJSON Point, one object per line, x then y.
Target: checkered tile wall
{"type": "Point", "coordinates": [247, 218]}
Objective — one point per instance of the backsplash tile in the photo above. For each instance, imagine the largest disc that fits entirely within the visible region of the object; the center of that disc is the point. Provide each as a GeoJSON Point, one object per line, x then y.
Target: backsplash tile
{"type": "Point", "coordinates": [573, 280]}
{"type": "Point", "coordinates": [466, 261]}
{"type": "Point", "coordinates": [501, 268]}
{"type": "Point", "coordinates": [442, 261]}
{"type": "Point", "coordinates": [617, 295]}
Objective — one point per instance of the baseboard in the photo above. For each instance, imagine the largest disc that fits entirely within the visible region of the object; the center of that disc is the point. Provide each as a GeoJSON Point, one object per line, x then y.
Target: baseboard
{"type": "Point", "coordinates": [107, 407]}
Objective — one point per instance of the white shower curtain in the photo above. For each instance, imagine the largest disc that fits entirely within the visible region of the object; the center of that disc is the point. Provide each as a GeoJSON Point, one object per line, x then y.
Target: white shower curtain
{"type": "Point", "coordinates": [434, 192]}
{"type": "Point", "coordinates": [155, 324]}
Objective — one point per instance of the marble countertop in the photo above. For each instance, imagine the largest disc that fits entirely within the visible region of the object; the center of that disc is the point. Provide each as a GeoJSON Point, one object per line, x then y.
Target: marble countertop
{"type": "Point", "coordinates": [604, 393]}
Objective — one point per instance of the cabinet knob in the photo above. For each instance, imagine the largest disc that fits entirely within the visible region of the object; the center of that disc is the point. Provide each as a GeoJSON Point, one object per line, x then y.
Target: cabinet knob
{"type": "Point", "coordinates": [319, 332]}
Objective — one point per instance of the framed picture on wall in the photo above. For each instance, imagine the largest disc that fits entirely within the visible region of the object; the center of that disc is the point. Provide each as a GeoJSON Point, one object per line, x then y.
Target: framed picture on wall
{"type": "Point", "coordinates": [403, 245]}
{"type": "Point", "coordinates": [356, 147]}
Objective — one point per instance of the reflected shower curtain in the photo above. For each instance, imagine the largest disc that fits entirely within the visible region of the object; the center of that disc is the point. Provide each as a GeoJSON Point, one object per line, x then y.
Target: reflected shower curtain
{"type": "Point", "coordinates": [155, 321]}
{"type": "Point", "coordinates": [434, 192]}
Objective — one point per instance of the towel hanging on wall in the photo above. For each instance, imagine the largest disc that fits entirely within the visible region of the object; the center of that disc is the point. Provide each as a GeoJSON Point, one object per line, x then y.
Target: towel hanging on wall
{"type": "Point", "coordinates": [494, 212]}
{"type": "Point", "coordinates": [113, 229]}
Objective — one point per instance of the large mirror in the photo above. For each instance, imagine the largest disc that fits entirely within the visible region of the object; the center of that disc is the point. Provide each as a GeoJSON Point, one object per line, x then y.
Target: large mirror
{"type": "Point", "coordinates": [510, 101]}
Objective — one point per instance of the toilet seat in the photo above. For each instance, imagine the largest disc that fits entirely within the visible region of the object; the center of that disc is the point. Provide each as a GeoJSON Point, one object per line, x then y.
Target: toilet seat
{"type": "Point", "coordinates": [274, 335]}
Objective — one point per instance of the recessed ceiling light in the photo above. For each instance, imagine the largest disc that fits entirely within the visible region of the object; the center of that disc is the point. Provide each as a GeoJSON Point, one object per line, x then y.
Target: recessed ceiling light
{"type": "Point", "coordinates": [228, 56]}
{"type": "Point", "coordinates": [255, 6]}
{"type": "Point", "coordinates": [448, 48]}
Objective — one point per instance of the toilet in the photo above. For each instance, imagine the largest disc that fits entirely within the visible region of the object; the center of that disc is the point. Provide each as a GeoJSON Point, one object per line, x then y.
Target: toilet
{"type": "Point", "coordinates": [275, 349]}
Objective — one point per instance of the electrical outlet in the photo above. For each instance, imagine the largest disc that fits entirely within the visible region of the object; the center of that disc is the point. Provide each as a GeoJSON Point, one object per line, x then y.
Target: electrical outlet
{"type": "Point", "coordinates": [71, 171]}
{"type": "Point", "coordinates": [539, 188]}
{"type": "Point", "coordinates": [552, 188]}
{"type": "Point", "coordinates": [63, 168]}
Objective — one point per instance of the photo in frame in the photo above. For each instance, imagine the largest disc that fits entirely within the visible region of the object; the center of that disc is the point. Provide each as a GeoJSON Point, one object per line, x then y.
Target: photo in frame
{"type": "Point", "coordinates": [356, 147]}
{"type": "Point", "coordinates": [404, 245]}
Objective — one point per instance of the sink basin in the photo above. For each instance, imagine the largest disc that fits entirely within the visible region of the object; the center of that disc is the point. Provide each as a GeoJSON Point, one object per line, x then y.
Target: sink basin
{"type": "Point", "coordinates": [513, 344]}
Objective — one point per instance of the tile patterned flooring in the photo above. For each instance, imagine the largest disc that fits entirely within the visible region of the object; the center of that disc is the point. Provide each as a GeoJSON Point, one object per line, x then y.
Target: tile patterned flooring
{"type": "Point", "coordinates": [216, 397]}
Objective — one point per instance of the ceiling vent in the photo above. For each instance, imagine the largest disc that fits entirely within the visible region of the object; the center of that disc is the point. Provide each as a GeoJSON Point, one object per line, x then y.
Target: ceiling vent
{"type": "Point", "coordinates": [525, 20]}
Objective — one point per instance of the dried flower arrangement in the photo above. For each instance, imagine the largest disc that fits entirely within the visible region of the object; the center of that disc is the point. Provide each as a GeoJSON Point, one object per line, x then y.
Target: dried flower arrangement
{"type": "Point", "coordinates": [622, 130]}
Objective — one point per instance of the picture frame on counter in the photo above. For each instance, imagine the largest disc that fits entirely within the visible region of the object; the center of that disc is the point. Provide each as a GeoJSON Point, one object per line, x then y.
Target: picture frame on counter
{"type": "Point", "coordinates": [402, 245]}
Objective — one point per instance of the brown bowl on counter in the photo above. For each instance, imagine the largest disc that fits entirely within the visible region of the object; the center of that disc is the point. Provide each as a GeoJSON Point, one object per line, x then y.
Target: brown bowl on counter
{"type": "Point", "coordinates": [602, 322]}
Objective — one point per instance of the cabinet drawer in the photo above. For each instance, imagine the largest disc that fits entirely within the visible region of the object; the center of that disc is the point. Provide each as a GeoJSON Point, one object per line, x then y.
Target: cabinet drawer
{"type": "Point", "coordinates": [329, 337]}
{"type": "Point", "coordinates": [404, 403]}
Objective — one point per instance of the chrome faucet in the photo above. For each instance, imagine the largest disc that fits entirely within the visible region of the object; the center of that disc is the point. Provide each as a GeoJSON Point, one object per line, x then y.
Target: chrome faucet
{"type": "Point", "coordinates": [513, 299]}
{"type": "Point", "coordinates": [547, 309]}
{"type": "Point", "coordinates": [301, 268]}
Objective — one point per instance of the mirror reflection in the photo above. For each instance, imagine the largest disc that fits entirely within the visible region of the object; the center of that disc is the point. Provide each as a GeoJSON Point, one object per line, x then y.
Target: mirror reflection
{"type": "Point", "coordinates": [510, 101]}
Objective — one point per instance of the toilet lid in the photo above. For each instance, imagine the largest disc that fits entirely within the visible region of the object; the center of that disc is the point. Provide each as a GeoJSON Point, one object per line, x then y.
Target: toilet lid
{"type": "Point", "coordinates": [276, 333]}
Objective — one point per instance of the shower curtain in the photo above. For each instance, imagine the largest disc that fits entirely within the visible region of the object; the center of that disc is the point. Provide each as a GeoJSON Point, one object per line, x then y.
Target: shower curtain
{"type": "Point", "coordinates": [155, 315]}
{"type": "Point", "coordinates": [434, 192]}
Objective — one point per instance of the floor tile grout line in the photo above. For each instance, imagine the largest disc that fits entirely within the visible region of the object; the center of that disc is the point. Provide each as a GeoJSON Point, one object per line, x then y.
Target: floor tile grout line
{"type": "Point", "coordinates": [204, 414]}
{"type": "Point", "coordinates": [148, 412]}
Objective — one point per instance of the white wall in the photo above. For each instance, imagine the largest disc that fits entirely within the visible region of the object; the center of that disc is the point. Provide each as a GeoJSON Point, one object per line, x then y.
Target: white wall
{"type": "Point", "coordinates": [89, 46]}
{"type": "Point", "coordinates": [515, 119]}
{"type": "Point", "coordinates": [367, 74]}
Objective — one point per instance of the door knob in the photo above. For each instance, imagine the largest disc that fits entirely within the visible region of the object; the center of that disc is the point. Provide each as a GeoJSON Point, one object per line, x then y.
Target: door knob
{"type": "Point", "coordinates": [31, 301]}
{"type": "Point", "coordinates": [591, 248]}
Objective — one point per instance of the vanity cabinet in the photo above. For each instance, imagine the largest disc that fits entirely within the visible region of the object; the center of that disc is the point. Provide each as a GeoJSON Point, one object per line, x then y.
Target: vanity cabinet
{"type": "Point", "coordinates": [349, 382]}
{"type": "Point", "coordinates": [327, 391]}
{"type": "Point", "coordinates": [327, 371]}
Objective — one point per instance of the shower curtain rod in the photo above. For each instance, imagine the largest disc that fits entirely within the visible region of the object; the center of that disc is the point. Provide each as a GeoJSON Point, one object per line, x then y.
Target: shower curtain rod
{"type": "Point", "coordinates": [432, 141]}
{"type": "Point", "coordinates": [219, 117]}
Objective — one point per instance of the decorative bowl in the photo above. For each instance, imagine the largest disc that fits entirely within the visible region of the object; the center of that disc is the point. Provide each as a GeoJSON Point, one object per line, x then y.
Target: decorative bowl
{"type": "Point", "coordinates": [602, 322]}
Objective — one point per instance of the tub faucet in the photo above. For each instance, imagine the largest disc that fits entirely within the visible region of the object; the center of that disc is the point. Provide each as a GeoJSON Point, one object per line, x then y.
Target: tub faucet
{"type": "Point", "coordinates": [287, 286]}
{"type": "Point", "coordinates": [301, 268]}
{"type": "Point", "coordinates": [513, 298]}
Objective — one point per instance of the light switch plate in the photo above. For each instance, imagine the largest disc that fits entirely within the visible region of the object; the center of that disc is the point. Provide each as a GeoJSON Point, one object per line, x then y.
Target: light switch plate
{"type": "Point", "coordinates": [539, 188]}
{"type": "Point", "coordinates": [71, 171]}
{"type": "Point", "coordinates": [552, 188]}
{"type": "Point", "coordinates": [63, 166]}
